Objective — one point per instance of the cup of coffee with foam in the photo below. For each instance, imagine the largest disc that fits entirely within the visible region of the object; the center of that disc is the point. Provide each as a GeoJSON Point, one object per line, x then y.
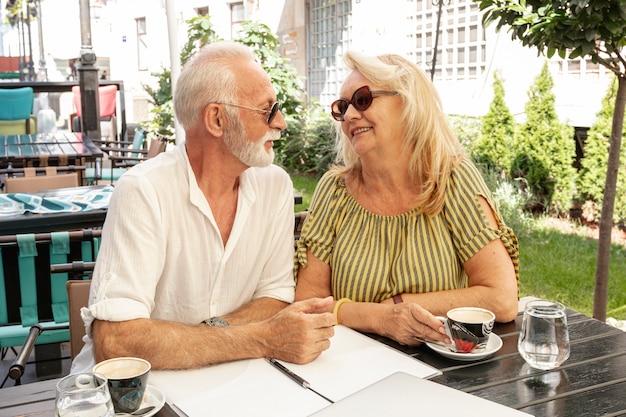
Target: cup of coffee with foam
{"type": "Point", "coordinates": [469, 327]}
{"type": "Point", "coordinates": [127, 381]}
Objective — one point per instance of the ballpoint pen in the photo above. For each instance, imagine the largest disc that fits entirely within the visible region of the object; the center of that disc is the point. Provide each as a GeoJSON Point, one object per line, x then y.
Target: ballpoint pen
{"type": "Point", "coordinates": [295, 377]}
{"type": "Point", "coordinates": [299, 380]}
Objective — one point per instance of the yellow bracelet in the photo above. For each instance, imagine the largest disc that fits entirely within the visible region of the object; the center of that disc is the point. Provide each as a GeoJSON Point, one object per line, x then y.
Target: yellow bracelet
{"type": "Point", "coordinates": [337, 306]}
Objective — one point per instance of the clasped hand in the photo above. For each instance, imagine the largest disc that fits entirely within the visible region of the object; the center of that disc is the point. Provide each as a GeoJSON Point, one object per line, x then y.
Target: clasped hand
{"type": "Point", "coordinates": [301, 331]}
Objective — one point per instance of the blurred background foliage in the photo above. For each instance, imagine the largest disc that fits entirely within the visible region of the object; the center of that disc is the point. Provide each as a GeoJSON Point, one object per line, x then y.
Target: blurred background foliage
{"type": "Point", "coordinates": [529, 164]}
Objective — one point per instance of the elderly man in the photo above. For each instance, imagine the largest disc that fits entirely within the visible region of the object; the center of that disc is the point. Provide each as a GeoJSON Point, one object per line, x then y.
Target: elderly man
{"type": "Point", "coordinates": [196, 261]}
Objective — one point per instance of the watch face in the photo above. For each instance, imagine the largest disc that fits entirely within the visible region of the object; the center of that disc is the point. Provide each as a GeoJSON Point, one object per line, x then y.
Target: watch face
{"type": "Point", "coordinates": [217, 322]}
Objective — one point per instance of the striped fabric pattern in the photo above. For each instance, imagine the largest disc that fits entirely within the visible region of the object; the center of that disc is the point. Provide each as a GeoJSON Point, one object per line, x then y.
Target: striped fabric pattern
{"type": "Point", "coordinates": [374, 257]}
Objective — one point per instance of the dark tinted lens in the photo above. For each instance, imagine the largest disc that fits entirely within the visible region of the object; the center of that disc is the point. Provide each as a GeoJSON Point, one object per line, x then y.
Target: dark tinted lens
{"type": "Point", "coordinates": [362, 98]}
{"type": "Point", "coordinates": [338, 109]}
{"type": "Point", "coordinates": [273, 112]}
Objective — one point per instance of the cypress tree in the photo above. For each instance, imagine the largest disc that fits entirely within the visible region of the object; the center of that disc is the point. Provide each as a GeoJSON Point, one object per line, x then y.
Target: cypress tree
{"type": "Point", "coordinates": [545, 151]}
{"type": "Point", "coordinates": [493, 149]}
{"type": "Point", "coordinates": [592, 176]}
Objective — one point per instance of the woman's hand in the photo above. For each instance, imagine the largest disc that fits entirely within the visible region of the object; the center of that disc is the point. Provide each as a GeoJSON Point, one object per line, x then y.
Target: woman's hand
{"type": "Point", "coordinates": [405, 322]}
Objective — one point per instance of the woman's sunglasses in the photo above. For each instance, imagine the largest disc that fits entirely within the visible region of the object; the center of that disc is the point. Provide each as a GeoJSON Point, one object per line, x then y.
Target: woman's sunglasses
{"type": "Point", "coordinates": [361, 100]}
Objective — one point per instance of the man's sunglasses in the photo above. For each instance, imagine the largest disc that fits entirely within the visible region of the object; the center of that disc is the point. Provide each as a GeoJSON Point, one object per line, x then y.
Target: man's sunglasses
{"type": "Point", "coordinates": [361, 100]}
{"type": "Point", "coordinates": [272, 112]}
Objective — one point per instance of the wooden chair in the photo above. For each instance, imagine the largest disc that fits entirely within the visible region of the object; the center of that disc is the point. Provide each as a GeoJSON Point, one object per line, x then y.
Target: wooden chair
{"type": "Point", "coordinates": [33, 300]}
{"type": "Point", "coordinates": [77, 298]}
{"type": "Point", "coordinates": [31, 182]}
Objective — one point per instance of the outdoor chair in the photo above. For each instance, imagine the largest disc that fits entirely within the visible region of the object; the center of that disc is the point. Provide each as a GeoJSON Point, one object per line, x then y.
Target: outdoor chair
{"type": "Point", "coordinates": [124, 157]}
{"type": "Point", "coordinates": [33, 300]}
{"type": "Point", "coordinates": [107, 102]}
{"type": "Point", "coordinates": [31, 182]}
{"type": "Point", "coordinates": [77, 298]}
{"type": "Point", "coordinates": [299, 218]}
{"type": "Point", "coordinates": [16, 107]}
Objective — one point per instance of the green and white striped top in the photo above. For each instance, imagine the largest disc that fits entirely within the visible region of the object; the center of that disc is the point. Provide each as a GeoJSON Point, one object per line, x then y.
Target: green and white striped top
{"type": "Point", "coordinates": [374, 257]}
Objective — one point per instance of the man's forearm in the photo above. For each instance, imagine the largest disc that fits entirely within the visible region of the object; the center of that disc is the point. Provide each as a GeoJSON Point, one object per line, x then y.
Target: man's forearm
{"type": "Point", "coordinates": [254, 311]}
{"type": "Point", "coordinates": [170, 345]}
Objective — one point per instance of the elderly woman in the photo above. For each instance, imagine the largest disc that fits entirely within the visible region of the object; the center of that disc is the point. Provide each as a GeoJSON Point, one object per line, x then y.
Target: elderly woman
{"type": "Point", "coordinates": [404, 227]}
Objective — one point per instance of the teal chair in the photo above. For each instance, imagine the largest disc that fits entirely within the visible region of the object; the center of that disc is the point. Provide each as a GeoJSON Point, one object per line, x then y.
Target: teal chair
{"type": "Point", "coordinates": [33, 300]}
{"type": "Point", "coordinates": [122, 158]}
{"type": "Point", "coordinates": [16, 107]}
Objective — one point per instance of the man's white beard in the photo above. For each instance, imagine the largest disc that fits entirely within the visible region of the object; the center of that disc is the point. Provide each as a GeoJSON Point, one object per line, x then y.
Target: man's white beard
{"type": "Point", "coordinates": [252, 154]}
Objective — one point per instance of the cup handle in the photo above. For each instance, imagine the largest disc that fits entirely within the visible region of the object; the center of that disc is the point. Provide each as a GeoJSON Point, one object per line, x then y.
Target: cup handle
{"type": "Point", "coordinates": [85, 381]}
{"type": "Point", "coordinates": [444, 321]}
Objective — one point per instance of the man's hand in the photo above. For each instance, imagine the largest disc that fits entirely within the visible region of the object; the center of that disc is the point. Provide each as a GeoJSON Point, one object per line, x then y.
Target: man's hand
{"type": "Point", "coordinates": [300, 332]}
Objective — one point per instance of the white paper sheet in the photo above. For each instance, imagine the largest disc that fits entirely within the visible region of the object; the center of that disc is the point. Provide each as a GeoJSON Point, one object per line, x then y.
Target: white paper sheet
{"type": "Point", "coordinates": [255, 387]}
{"type": "Point", "coordinates": [355, 361]}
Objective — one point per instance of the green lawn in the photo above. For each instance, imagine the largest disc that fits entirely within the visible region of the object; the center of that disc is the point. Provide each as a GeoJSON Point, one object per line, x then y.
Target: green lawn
{"type": "Point", "coordinates": [561, 266]}
{"type": "Point", "coordinates": [304, 185]}
{"type": "Point", "coordinates": [554, 265]}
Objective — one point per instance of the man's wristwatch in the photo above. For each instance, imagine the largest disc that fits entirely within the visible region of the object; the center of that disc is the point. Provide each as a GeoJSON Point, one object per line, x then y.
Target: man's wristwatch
{"type": "Point", "coordinates": [216, 322]}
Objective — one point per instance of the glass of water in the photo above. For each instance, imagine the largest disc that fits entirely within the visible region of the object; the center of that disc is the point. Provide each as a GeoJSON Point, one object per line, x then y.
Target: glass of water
{"type": "Point", "coordinates": [83, 395]}
{"type": "Point", "coordinates": [544, 338]}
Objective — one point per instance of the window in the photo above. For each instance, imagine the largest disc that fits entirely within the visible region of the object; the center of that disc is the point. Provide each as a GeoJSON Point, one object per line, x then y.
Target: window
{"type": "Point", "coordinates": [461, 51]}
{"type": "Point", "coordinates": [142, 46]}
{"type": "Point", "coordinates": [329, 32]}
{"type": "Point", "coordinates": [573, 68]}
{"type": "Point", "coordinates": [237, 15]}
{"type": "Point", "coordinates": [592, 70]}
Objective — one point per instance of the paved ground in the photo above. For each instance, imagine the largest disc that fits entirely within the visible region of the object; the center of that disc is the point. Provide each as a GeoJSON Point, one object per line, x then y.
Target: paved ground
{"type": "Point", "coordinates": [42, 370]}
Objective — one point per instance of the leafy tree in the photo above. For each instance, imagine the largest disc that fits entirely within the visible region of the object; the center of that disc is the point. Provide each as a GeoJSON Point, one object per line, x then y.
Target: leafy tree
{"type": "Point", "coordinates": [200, 32]}
{"type": "Point", "coordinates": [497, 132]}
{"type": "Point", "coordinates": [574, 29]}
{"type": "Point", "coordinates": [544, 150]}
{"type": "Point", "coordinates": [162, 121]}
{"type": "Point", "coordinates": [258, 37]}
{"type": "Point", "coordinates": [289, 87]}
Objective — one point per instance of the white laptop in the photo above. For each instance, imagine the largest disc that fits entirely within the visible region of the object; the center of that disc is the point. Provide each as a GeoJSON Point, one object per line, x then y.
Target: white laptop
{"type": "Point", "coordinates": [404, 395]}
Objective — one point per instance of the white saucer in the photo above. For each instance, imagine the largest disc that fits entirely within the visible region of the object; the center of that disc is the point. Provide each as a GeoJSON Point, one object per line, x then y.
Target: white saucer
{"type": "Point", "coordinates": [493, 345]}
{"type": "Point", "coordinates": [152, 397]}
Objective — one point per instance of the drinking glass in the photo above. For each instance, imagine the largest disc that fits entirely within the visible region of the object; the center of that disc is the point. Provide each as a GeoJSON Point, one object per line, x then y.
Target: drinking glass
{"type": "Point", "coordinates": [544, 338]}
{"type": "Point", "coordinates": [83, 395]}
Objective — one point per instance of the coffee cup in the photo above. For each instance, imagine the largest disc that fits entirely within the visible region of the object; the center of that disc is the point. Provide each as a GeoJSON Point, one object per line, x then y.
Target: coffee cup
{"type": "Point", "coordinates": [469, 327]}
{"type": "Point", "coordinates": [127, 381]}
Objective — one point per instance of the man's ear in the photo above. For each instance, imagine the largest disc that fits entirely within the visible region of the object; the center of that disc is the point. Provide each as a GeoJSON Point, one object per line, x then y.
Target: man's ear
{"type": "Point", "coordinates": [214, 119]}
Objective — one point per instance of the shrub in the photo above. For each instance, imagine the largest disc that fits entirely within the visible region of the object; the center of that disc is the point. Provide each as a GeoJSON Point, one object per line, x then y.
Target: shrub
{"type": "Point", "coordinates": [467, 130]}
{"type": "Point", "coordinates": [308, 142]}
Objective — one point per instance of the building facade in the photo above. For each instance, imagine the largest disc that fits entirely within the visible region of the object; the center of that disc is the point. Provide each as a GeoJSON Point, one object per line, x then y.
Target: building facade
{"type": "Point", "coordinates": [445, 37]}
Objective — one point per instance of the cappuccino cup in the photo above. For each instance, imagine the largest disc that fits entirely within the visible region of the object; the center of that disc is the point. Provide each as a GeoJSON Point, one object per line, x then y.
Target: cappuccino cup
{"type": "Point", "coordinates": [469, 327]}
{"type": "Point", "coordinates": [127, 381]}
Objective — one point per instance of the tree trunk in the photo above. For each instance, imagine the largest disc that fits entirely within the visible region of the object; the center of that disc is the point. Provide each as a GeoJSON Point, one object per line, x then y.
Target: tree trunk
{"type": "Point", "coordinates": [608, 203]}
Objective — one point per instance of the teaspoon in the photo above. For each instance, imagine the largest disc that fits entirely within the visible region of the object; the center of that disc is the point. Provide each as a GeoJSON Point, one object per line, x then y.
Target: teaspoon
{"type": "Point", "coordinates": [138, 413]}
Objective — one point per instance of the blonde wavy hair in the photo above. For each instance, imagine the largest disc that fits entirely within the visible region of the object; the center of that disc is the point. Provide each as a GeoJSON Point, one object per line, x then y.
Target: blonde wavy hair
{"type": "Point", "coordinates": [429, 139]}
